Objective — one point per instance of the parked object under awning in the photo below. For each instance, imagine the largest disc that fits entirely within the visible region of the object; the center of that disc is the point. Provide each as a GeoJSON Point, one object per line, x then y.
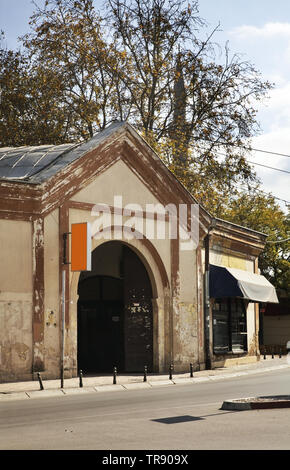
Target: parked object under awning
{"type": "Point", "coordinates": [232, 282]}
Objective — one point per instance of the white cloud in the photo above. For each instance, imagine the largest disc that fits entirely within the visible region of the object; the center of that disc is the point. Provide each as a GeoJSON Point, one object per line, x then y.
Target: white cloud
{"type": "Point", "coordinates": [273, 181]}
{"type": "Point", "coordinates": [266, 31]}
{"type": "Point", "coordinates": [268, 47]}
{"type": "Point", "coordinates": [277, 140]}
{"type": "Point", "coordinates": [280, 97]}
{"type": "Point", "coordinates": [277, 79]}
{"type": "Point", "coordinates": [276, 111]}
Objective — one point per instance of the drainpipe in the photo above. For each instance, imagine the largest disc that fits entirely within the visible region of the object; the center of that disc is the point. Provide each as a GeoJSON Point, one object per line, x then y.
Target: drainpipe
{"type": "Point", "coordinates": [207, 320]}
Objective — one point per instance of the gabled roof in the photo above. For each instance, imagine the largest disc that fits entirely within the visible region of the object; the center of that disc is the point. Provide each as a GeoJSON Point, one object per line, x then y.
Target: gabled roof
{"type": "Point", "coordinates": [37, 179]}
{"type": "Point", "coordinates": [36, 164]}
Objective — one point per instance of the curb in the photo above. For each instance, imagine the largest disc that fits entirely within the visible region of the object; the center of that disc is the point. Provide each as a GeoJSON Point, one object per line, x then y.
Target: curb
{"type": "Point", "coordinates": [109, 388]}
{"type": "Point", "coordinates": [45, 393]}
{"type": "Point", "coordinates": [137, 386]}
{"type": "Point", "coordinates": [13, 396]}
{"type": "Point", "coordinates": [257, 403]}
{"type": "Point", "coordinates": [75, 390]}
{"type": "Point", "coordinates": [184, 381]}
{"type": "Point", "coordinates": [161, 383]}
{"type": "Point", "coordinates": [236, 404]}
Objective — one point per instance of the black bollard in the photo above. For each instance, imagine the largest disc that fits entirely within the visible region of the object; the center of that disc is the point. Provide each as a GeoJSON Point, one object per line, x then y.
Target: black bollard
{"type": "Point", "coordinates": [170, 371]}
{"type": "Point", "coordinates": [145, 374]}
{"type": "Point", "coordinates": [81, 378]}
{"type": "Point", "coordinates": [272, 353]}
{"type": "Point", "coordinates": [280, 353]}
{"type": "Point", "coordinates": [115, 375]}
{"type": "Point", "coordinates": [191, 369]}
{"type": "Point", "coordinates": [40, 381]}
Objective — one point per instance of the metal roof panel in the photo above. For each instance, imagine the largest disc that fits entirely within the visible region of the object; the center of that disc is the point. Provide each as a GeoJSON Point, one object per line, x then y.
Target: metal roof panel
{"type": "Point", "coordinates": [37, 164]}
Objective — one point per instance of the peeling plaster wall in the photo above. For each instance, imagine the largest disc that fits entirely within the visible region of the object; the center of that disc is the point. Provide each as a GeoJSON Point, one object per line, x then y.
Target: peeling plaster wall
{"type": "Point", "coordinates": [253, 340]}
{"type": "Point", "coordinates": [230, 261]}
{"type": "Point", "coordinates": [120, 180]}
{"type": "Point", "coordinates": [31, 258]}
{"type": "Point", "coordinates": [52, 319]}
{"type": "Point", "coordinates": [179, 337]}
{"type": "Point", "coordinates": [185, 346]}
{"type": "Point", "coordinates": [15, 300]}
{"type": "Point", "coordinates": [161, 302]}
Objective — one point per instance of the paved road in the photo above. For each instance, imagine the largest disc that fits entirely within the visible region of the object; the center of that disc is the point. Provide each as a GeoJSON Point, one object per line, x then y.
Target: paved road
{"type": "Point", "coordinates": [168, 417]}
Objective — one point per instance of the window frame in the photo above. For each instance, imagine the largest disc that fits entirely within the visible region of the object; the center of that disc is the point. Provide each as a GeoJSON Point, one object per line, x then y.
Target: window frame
{"type": "Point", "coordinates": [229, 301]}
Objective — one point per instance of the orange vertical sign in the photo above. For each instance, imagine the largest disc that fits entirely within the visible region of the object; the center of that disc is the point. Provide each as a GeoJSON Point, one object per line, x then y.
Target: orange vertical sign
{"type": "Point", "coordinates": [81, 247]}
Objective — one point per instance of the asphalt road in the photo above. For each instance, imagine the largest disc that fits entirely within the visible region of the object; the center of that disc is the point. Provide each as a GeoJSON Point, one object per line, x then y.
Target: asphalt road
{"type": "Point", "coordinates": [169, 417]}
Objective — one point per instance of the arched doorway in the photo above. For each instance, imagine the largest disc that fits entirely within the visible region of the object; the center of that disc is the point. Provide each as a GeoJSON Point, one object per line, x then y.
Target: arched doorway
{"type": "Point", "coordinates": [115, 319]}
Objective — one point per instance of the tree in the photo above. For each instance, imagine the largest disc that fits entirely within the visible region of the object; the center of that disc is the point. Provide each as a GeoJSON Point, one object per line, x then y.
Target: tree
{"type": "Point", "coordinates": [186, 104]}
{"type": "Point", "coordinates": [148, 35]}
{"type": "Point", "coordinates": [30, 105]}
{"type": "Point", "coordinates": [67, 38]}
{"type": "Point", "coordinates": [145, 64]}
{"type": "Point", "coordinates": [133, 66]}
{"type": "Point", "coordinates": [259, 211]}
{"type": "Point", "coordinates": [12, 98]}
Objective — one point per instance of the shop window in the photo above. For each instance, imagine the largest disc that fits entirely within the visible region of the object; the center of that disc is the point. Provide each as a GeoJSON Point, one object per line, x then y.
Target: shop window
{"type": "Point", "coordinates": [238, 325]}
{"type": "Point", "coordinates": [229, 326]}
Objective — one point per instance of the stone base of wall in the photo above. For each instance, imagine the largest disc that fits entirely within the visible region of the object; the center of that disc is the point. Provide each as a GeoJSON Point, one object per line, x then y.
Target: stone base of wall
{"type": "Point", "coordinates": [235, 361]}
{"type": "Point", "coordinates": [6, 377]}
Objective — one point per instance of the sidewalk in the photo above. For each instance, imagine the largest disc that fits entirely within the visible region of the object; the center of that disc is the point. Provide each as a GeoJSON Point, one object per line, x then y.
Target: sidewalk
{"type": "Point", "coordinates": [31, 389]}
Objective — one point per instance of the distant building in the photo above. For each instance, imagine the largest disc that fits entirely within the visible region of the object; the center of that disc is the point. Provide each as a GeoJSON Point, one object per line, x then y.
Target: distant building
{"type": "Point", "coordinates": [275, 326]}
{"type": "Point", "coordinates": [148, 300]}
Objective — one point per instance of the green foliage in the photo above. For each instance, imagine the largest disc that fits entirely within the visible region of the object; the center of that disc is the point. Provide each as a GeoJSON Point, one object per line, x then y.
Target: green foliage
{"type": "Point", "coordinates": [67, 39]}
{"type": "Point", "coordinates": [30, 107]}
{"type": "Point", "coordinates": [260, 212]}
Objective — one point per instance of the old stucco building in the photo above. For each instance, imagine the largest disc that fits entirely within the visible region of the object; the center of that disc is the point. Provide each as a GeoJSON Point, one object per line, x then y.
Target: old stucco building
{"type": "Point", "coordinates": [146, 300]}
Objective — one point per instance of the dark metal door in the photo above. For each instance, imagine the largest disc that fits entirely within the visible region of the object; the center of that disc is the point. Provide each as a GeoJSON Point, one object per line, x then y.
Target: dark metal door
{"type": "Point", "coordinates": [138, 317]}
{"type": "Point", "coordinates": [100, 336]}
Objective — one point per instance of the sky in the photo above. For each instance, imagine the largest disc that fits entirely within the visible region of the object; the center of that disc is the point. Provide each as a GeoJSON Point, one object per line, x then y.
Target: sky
{"type": "Point", "coordinates": [258, 30]}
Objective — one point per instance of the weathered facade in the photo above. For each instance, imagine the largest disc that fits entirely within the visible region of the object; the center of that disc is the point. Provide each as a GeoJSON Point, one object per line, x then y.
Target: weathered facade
{"type": "Point", "coordinates": [144, 301]}
{"type": "Point", "coordinates": [232, 246]}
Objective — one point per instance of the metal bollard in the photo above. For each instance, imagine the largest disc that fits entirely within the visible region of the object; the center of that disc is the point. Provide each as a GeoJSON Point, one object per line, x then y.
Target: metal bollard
{"type": "Point", "coordinates": [115, 375]}
{"type": "Point", "coordinates": [272, 353]}
{"type": "Point", "coordinates": [81, 378]}
{"type": "Point", "coordinates": [280, 353]}
{"type": "Point", "coordinates": [191, 369]}
{"type": "Point", "coordinates": [40, 381]}
{"type": "Point", "coordinates": [145, 374]}
{"type": "Point", "coordinates": [170, 371]}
